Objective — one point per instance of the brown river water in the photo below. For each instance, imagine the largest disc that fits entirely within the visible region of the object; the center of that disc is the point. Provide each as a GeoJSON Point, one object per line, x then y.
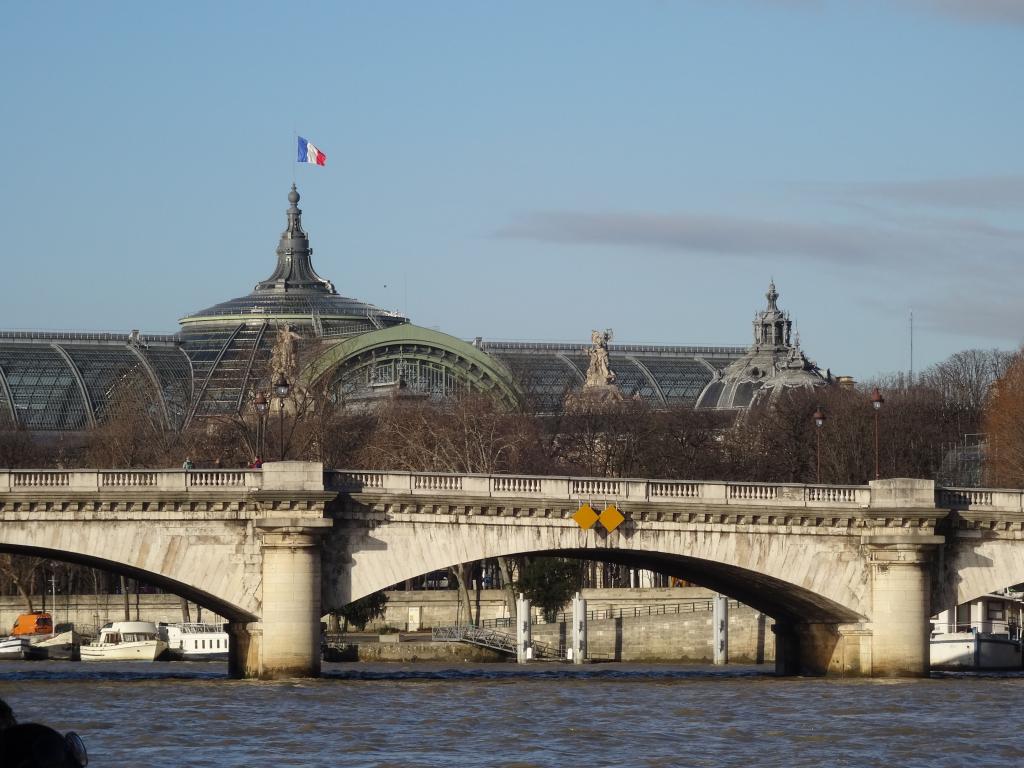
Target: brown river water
{"type": "Point", "coordinates": [426, 715]}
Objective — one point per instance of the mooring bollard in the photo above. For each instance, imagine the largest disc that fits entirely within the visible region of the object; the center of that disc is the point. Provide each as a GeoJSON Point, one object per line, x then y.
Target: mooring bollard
{"type": "Point", "coordinates": [720, 620]}
{"type": "Point", "coordinates": [524, 631]}
{"type": "Point", "coordinates": [579, 630]}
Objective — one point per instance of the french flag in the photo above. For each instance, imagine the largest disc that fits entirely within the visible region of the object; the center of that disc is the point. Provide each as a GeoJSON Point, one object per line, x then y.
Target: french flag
{"type": "Point", "coordinates": [310, 154]}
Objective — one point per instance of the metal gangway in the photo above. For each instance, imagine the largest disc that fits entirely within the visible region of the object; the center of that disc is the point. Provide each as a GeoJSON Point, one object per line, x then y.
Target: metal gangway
{"type": "Point", "coordinates": [502, 642]}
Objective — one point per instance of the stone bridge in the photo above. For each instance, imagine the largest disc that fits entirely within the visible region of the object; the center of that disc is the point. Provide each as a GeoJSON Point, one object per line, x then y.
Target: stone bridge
{"type": "Point", "coordinates": [850, 575]}
{"type": "Point", "coordinates": [242, 543]}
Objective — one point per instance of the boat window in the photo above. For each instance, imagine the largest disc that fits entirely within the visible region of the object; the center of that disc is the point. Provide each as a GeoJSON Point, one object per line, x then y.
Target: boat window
{"type": "Point", "coordinates": [996, 611]}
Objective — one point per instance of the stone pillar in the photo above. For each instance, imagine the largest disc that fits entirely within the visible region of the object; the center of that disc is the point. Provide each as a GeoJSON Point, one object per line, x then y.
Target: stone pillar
{"type": "Point", "coordinates": [900, 604]}
{"type": "Point", "coordinates": [787, 649]}
{"type": "Point", "coordinates": [524, 631]}
{"type": "Point", "coordinates": [290, 642]}
{"type": "Point", "coordinates": [579, 629]}
{"type": "Point", "coordinates": [720, 637]}
{"type": "Point", "coordinates": [244, 648]}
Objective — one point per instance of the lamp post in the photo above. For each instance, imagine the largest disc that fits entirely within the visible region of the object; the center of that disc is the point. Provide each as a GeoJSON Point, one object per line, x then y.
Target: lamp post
{"type": "Point", "coordinates": [262, 406]}
{"type": "Point", "coordinates": [876, 403]}
{"type": "Point", "coordinates": [281, 389]}
{"type": "Point", "coordinates": [819, 421]}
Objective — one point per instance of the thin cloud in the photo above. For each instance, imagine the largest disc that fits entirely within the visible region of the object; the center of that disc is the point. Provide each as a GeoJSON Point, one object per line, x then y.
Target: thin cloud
{"type": "Point", "coordinates": [991, 193]}
{"type": "Point", "coordinates": [998, 11]}
{"type": "Point", "coordinates": [979, 11]}
{"type": "Point", "coordinates": [735, 236]}
{"type": "Point", "coordinates": [955, 225]}
{"type": "Point", "coordinates": [985, 309]}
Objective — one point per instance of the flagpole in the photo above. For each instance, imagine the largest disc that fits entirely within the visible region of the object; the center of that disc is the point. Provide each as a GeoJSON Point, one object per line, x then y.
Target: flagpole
{"type": "Point", "coordinates": [295, 144]}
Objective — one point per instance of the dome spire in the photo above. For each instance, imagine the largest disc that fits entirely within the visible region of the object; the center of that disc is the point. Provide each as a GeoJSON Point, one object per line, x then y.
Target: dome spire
{"type": "Point", "coordinates": [294, 213]}
{"type": "Point", "coordinates": [294, 271]}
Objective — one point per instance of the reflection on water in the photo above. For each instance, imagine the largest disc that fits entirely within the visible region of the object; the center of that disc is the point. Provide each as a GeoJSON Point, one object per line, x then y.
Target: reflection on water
{"type": "Point", "coordinates": [415, 716]}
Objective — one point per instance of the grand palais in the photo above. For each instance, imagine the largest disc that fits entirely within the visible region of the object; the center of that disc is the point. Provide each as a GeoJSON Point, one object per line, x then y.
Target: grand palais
{"type": "Point", "coordinates": [221, 356]}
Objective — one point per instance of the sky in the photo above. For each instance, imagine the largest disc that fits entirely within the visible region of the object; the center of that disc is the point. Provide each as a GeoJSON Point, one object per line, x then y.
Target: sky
{"type": "Point", "coordinates": [530, 170]}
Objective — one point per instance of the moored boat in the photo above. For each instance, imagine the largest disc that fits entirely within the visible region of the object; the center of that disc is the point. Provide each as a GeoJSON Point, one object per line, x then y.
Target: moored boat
{"type": "Point", "coordinates": [195, 641]}
{"type": "Point", "coordinates": [12, 648]}
{"type": "Point", "coordinates": [125, 641]}
{"type": "Point", "coordinates": [974, 650]}
{"type": "Point", "coordinates": [28, 629]}
{"type": "Point", "coordinates": [63, 645]}
{"type": "Point", "coordinates": [984, 634]}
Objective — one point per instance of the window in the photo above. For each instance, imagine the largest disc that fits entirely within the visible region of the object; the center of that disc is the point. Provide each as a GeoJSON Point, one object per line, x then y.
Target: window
{"type": "Point", "coordinates": [995, 611]}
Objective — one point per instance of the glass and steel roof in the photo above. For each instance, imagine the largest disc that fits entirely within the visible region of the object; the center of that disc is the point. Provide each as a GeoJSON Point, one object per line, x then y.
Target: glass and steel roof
{"type": "Point", "coordinates": [69, 381]}
{"type": "Point", "coordinates": [669, 375]}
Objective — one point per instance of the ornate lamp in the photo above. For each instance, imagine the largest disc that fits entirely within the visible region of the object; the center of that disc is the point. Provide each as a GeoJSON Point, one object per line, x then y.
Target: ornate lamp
{"type": "Point", "coordinates": [819, 421]}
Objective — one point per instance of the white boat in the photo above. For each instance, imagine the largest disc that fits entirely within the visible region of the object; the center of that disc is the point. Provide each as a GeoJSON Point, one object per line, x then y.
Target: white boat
{"type": "Point", "coordinates": [195, 641]}
{"type": "Point", "coordinates": [13, 648]}
{"type": "Point", "coordinates": [984, 634]}
{"type": "Point", "coordinates": [125, 641]}
{"type": "Point", "coordinates": [974, 650]}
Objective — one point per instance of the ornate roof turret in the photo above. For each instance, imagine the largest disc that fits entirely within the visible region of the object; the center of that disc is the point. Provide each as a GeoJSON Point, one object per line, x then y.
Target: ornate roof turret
{"type": "Point", "coordinates": [773, 363]}
{"type": "Point", "coordinates": [772, 326]}
{"type": "Point", "coordinates": [294, 270]}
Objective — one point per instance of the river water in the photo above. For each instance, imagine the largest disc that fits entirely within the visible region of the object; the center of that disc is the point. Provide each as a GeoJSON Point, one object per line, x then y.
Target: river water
{"type": "Point", "coordinates": [426, 715]}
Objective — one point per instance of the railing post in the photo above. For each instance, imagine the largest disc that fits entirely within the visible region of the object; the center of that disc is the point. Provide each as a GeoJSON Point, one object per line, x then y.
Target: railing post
{"type": "Point", "coordinates": [84, 480]}
{"type": "Point", "coordinates": [5, 481]}
{"type": "Point", "coordinates": [174, 480]}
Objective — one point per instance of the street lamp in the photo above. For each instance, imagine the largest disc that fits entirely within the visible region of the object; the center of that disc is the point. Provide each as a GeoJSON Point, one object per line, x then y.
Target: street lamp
{"type": "Point", "coordinates": [281, 388]}
{"type": "Point", "coordinates": [262, 406]}
{"type": "Point", "coordinates": [876, 403]}
{"type": "Point", "coordinates": [819, 421]}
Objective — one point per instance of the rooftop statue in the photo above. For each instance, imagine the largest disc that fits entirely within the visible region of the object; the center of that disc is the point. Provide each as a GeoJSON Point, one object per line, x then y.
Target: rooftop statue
{"type": "Point", "coordinates": [599, 374]}
{"type": "Point", "coordinates": [284, 358]}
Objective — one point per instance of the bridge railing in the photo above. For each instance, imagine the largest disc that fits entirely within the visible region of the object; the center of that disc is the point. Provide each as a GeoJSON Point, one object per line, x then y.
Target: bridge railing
{"type": "Point", "coordinates": [884, 493]}
{"type": "Point", "coordinates": [59, 480]}
{"type": "Point", "coordinates": [1003, 500]}
{"type": "Point", "coordinates": [593, 488]}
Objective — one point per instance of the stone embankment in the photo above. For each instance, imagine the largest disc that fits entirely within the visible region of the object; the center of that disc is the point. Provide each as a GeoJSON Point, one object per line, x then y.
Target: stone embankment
{"type": "Point", "coordinates": [660, 633]}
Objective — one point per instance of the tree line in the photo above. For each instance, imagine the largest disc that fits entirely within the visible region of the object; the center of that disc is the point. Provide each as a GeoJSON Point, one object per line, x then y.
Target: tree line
{"type": "Point", "coordinates": [925, 429]}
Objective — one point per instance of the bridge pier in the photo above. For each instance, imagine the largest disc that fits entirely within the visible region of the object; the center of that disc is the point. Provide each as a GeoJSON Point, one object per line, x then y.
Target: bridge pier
{"type": "Point", "coordinates": [286, 643]}
{"type": "Point", "coordinates": [900, 573]}
{"type": "Point", "coordinates": [895, 643]}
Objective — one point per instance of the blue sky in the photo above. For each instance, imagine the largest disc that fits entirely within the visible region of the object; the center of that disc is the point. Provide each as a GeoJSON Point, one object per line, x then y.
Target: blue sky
{"type": "Point", "coordinates": [529, 170]}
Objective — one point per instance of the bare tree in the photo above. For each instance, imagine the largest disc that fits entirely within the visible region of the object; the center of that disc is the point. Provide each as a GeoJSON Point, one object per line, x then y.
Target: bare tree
{"type": "Point", "coordinates": [1004, 429]}
{"type": "Point", "coordinates": [965, 378]}
{"type": "Point", "coordinates": [22, 572]}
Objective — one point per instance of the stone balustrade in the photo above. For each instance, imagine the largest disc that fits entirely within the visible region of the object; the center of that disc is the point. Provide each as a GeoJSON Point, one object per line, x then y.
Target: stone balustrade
{"type": "Point", "coordinates": [886, 493]}
{"type": "Point", "coordinates": [92, 480]}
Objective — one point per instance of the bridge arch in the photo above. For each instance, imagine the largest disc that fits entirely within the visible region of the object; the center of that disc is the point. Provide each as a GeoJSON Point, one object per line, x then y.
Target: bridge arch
{"type": "Point", "coordinates": [195, 594]}
{"type": "Point", "coordinates": [790, 578]}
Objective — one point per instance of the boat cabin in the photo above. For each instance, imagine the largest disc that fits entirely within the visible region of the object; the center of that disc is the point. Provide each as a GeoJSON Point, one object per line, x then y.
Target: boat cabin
{"type": "Point", "coordinates": [128, 632]}
{"type": "Point", "coordinates": [35, 623]}
{"type": "Point", "coordinates": [996, 614]}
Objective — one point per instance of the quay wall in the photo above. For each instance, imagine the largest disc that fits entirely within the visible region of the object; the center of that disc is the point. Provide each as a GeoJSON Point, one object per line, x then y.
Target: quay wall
{"type": "Point", "coordinates": [422, 609]}
{"type": "Point", "coordinates": [407, 652]}
{"type": "Point", "coordinates": [685, 637]}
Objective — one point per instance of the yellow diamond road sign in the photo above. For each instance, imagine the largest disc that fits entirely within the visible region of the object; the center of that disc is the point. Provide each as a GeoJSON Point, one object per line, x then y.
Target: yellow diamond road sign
{"type": "Point", "coordinates": [585, 516]}
{"type": "Point", "coordinates": [611, 518]}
